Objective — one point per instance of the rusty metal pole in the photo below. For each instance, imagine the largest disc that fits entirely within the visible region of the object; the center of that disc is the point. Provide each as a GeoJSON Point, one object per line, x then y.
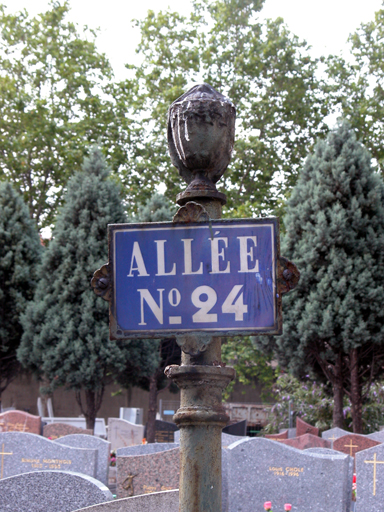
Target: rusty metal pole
{"type": "Point", "coordinates": [200, 136]}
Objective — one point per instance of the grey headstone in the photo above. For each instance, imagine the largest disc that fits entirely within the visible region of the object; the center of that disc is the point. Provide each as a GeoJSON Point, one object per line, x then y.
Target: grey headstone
{"type": "Point", "coordinates": [164, 431]}
{"type": "Point", "coordinates": [226, 439]}
{"type": "Point", "coordinates": [94, 443]}
{"type": "Point", "coordinates": [261, 470]}
{"type": "Point", "coordinates": [334, 433]}
{"type": "Point", "coordinates": [224, 480]}
{"type": "Point", "coordinates": [334, 453]}
{"type": "Point", "coordinates": [122, 433]}
{"type": "Point", "coordinates": [291, 432]}
{"type": "Point", "coordinates": [370, 490]}
{"type": "Point", "coordinates": [23, 453]}
{"type": "Point", "coordinates": [166, 501]}
{"type": "Point", "coordinates": [51, 491]}
{"type": "Point", "coordinates": [377, 436]}
{"type": "Point", "coordinates": [145, 449]}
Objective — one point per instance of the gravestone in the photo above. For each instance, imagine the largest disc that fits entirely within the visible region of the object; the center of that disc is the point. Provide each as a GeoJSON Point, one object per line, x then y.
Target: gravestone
{"type": "Point", "coordinates": [305, 428]}
{"type": "Point", "coordinates": [277, 437]}
{"type": "Point", "coordinates": [143, 474]}
{"type": "Point", "coordinates": [334, 433]}
{"type": "Point", "coordinates": [145, 449]}
{"type": "Point", "coordinates": [22, 452]}
{"type": "Point", "coordinates": [57, 430]}
{"type": "Point", "coordinates": [166, 501]}
{"type": "Point", "coordinates": [261, 470]}
{"type": "Point", "coordinates": [49, 491]}
{"type": "Point", "coordinates": [226, 439]}
{"type": "Point", "coordinates": [164, 431]}
{"type": "Point", "coordinates": [353, 443]}
{"type": "Point", "coordinates": [102, 447]}
{"type": "Point", "coordinates": [123, 433]}
{"type": "Point", "coordinates": [236, 429]}
{"type": "Point", "coordinates": [377, 436]}
{"type": "Point", "coordinates": [370, 479]}
{"type": "Point", "coordinates": [20, 421]}
{"type": "Point", "coordinates": [306, 441]}
{"type": "Point", "coordinates": [80, 422]}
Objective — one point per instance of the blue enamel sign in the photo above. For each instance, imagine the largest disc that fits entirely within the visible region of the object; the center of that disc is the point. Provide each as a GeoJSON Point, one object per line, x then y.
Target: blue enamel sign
{"type": "Point", "coordinates": [217, 277]}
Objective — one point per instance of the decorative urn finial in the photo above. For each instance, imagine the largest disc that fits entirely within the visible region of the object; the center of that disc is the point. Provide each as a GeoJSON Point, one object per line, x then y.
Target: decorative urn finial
{"type": "Point", "coordinates": [201, 133]}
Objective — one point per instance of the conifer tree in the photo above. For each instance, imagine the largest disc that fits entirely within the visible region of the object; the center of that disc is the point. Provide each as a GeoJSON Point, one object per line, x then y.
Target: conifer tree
{"type": "Point", "coordinates": [66, 339]}
{"type": "Point", "coordinates": [20, 255]}
{"type": "Point", "coordinates": [334, 320]}
{"type": "Point", "coordinates": [157, 209]}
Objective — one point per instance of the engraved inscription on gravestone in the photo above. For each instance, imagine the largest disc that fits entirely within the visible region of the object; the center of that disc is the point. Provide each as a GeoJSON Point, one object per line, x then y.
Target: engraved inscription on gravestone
{"type": "Point", "coordinates": [22, 452]}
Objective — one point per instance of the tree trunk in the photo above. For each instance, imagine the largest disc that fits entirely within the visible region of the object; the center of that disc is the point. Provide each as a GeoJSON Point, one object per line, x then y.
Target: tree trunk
{"type": "Point", "coordinates": [93, 401]}
{"type": "Point", "coordinates": [356, 398]}
{"type": "Point", "coordinates": [90, 409]}
{"type": "Point", "coordinates": [338, 395]}
{"type": "Point", "coordinates": [151, 431]}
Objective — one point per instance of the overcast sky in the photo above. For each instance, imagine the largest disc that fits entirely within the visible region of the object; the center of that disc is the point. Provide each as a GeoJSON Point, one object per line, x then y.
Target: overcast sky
{"type": "Point", "coordinates": [324, 25]}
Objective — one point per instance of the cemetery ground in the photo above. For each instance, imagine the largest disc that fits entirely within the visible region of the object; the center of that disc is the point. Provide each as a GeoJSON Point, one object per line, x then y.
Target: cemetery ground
{"type": "Point", "coordinates": [61, 467]}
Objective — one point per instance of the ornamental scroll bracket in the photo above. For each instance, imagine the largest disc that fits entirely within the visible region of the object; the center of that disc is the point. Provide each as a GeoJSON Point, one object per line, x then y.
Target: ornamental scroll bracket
{"type": "Point", "coordinates": [288, 275]}
{"type": "Point", "coordinates": [102, 283]}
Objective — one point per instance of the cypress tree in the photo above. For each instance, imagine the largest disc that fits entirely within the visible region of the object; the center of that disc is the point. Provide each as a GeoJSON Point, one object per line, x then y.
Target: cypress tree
{"type": "Point", "coordinates": [334, 320]}
{"type": "Point", "coordinates": [157, 209]}
{"type": "Point", "coordinates": [66, 338]}
{"type": "Point", "coordinates": [20, 255]}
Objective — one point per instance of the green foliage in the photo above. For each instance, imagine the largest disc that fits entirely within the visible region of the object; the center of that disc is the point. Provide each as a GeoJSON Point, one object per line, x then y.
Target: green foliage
{"type": "Point", "coordinates": [335, 235]}
{"type": "Point", "coordinates": [20, 255]}
{"type": "Point", "coordinates": [156, 209]}
{"type": "Point", "coordinates": [55, 94]}
{"type": "Point", "coordinates": [312, 402]}
{"type": "Point", "coordinates": [309, 400]}
{"type": "Point", "coordinates": [250, 363]}
{"type": "Point", "coordinates": [265, 71]}
{"type": "Point", "coordinates": [355, 88]}
{"type": "Point", "coordinates": [66, 337]}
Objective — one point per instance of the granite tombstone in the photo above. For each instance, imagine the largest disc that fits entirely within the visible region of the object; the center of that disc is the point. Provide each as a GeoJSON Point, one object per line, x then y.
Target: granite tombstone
{"type": "Point", "coordinates": [164, 431]}
{"type": "Point", "coordinates": [277, 437]}
{"type": "Point", "coordinates": [281, 474]}
{"type": "Point", "coordinates": [236, 429]}
{"type": "Point", "coordinates": [353, 443]}
{"type": "Point", "coordinates": [102, 447]}
{"type": "Point", "coordinates": [145, 449]}
{"type": "Point", "coordinates": [142, 474]}
{"type": "Point", "coordinates": [123, 433]}
{"type": "Point", "coordinates": [23, 452]}
{"type": "Point", "coordinates": [370, 479]}
{"type": "Point", "coordinates": [57, 430]}
{"type": "Point", "coordinates": [334, 433]}
{"type": "Point", "coordinates": [303, 427]}
{"type": "Point", "coordinates": [377, 436]}
{"type": "Point", "coordinates": [20, 421]}
{"type": "Point", "coordinates": [306, 441]}
{"type": "Point", "coordinates": [165, 501]}
{"type": "Point", "coordinates": [49, 491]}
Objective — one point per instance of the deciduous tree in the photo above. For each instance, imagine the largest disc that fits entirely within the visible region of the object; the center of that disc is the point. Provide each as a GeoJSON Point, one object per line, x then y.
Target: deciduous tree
{"type": "Point", "coordinates": [264, 69]}
{"type": "Point", "coordinates": [56, 92]}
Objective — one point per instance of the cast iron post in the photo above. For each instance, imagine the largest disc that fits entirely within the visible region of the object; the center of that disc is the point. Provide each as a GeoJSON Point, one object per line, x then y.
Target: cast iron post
{"type": "Point", "coordinates": [201, 129]}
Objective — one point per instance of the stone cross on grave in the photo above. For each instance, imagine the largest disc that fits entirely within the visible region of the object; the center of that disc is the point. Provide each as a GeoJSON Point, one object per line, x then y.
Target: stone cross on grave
{"type": "Point", "coordinates": [2, 453]}
{"type": "Point", "coordinates": [374, 462]}
{"type": "Point", "coordinates": [350, 446]}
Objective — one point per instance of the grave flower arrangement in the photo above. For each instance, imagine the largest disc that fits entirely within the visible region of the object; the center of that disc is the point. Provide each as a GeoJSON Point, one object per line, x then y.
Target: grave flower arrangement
{"type": "Point", "coordinates": [112, 458]}
{"type": "Point", "coordinates": [354, 487]}
{"type": "Point", "coordinates": [268, 506]}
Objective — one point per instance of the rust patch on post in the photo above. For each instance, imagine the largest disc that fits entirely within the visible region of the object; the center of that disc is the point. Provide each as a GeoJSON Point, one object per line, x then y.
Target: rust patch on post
{"type": "Point", "coordinates": [288, 275]}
